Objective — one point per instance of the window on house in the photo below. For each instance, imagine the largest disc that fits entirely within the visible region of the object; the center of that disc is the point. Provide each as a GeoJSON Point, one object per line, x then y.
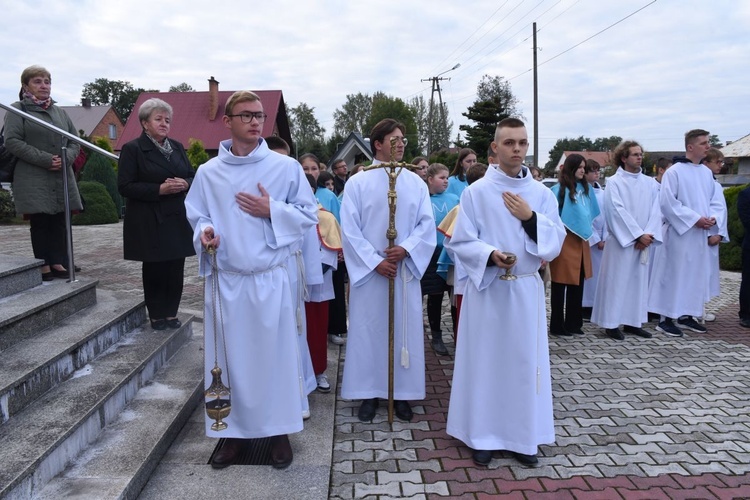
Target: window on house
{"type": "Point", "coordinates": [112, 131]}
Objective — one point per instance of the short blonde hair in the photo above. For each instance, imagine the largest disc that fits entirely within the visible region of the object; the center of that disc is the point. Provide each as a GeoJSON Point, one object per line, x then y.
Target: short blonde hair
{"type": "Point", "coordinates": [33, 72]}
{"type": "Point", "coordinates": [238, 97]}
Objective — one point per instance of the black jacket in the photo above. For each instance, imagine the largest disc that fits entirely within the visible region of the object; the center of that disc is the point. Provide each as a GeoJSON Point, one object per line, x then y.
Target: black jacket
{"type": "Point", "coordinates": [743, 210]}
{"type": "Point", "coordinates": [155, 227]}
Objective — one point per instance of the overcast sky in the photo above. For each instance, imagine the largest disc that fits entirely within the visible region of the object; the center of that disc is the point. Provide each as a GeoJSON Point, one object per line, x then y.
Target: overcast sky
{"type": "Point", "coordinates": [672, 66]}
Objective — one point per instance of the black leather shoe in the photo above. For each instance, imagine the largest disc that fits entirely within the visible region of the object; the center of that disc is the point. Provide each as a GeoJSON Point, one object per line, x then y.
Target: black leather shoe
{"type": "Point", "coordinates": [367, 409]}
{"type": "Point", "coordinates": [439, 347]}
{"type": "Point", "coordinates": [745, 323]}
{"type": "Point", "coordinates": [159, 324]}
{"type": "Point", "coordinates": [577, 331]}
{"type": "Point", "coordinates": [173, 323]}
{"type": "Point", "coordinates": [526, 459]}
{"type": "Point", "coordinates": [561, 334]}
{"type": "Point", "coordinates": [403, 410]}
{"type": "Point", "coordinates": [57, 273]}
{"type": "Point", "coordinates": [615, 333]}
{"type": "Point", "coordinates": [228, 453]}
{"type": "Point", "coordinates": [281, 452]}
{"type": "Point", "coordinates": [482, 457]}
{"type": "Point", "coordinates": [637, 331]}
{"type": "Point", "coordinates": [48, 276]}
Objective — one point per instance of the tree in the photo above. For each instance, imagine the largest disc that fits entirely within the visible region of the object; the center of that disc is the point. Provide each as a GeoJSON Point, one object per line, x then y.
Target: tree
{"type": "Point", "coordinates": [439, 136]}
{"type": "Point", "coordinates": [119, 94]}
{"type": "Point", "coordinates": [580, 144]}
{"type": "Point", "coordinates": [714, 141]}
{"type": "Point", "coordinates": [182, 87]}
{"type": "Point", "coordinates": [196, 153]}
{"type": "Point", "coordinates": [495, 101]}
{"type": "Point", "coordinates": [385, 106]}
{"type": "Point", "coordinates": [307, 133]}
{"type": "Point", "coordinates": [99, 169]}
{"type": "Point", "coordinates": [353, 115]}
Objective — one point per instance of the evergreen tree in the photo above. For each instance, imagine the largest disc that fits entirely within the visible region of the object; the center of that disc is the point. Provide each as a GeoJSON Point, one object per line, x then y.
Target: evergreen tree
{"type": "Point", "coordinates": [196, 153]}
{"type": "Point", "coordinates": [495, 101]}
{"type": "Point", "coordinates": [99, 169]}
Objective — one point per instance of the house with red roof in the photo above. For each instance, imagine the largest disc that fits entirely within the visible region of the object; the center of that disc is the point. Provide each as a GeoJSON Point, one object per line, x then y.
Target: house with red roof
{"type": "Point", "coordinates": [198, 115]}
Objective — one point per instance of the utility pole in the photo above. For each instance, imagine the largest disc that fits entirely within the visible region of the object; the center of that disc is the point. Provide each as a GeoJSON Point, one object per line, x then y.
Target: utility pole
{"type": "Point", "coordinates": [536, 107]}
{"type": "Point", "coordinates": [430, 122]}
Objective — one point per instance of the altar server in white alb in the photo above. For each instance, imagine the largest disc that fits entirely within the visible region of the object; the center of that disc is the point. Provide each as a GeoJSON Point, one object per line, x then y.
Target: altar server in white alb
{"type": "Point", "coordinates": [370, 263]}
{"type": "Point", "coordinates": [253, 206]}
{"type": "Point", "coordinates": [631, 208]}
{"type": "Point", "coordinates": [679, 282]}
{"type": "Point", "coordinates": [714, 160]}
{"type": "Point", "coordinates": [501, 397]}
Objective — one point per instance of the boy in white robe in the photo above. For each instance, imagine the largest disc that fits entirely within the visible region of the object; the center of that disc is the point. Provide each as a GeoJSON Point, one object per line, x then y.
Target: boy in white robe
{"type": "Point", "coordinates": [714, 160]}
{"type": "Point", "coordinates": [631, 207]}
{"type": "Point", "coordinates": [679, 281]}
{"type": "Point", "coordinates": [370, 264]}
{"type": "Point", "coordinates": [252, 206]}
{"type": "Point", "coordinates": [501, 396]}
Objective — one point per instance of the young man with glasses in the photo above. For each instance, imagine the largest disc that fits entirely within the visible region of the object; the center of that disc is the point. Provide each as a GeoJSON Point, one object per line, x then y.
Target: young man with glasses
{"type": "Point", "coordinates": [339, 171]}
{"type": "Point", "coordinates": [252, 206]}
{"type": "Point", "coordinates": [371, 264]}
{"type": "Point", "coordinates": [633, 217]}
{"type": "Point", "coordinates": [679, 281]}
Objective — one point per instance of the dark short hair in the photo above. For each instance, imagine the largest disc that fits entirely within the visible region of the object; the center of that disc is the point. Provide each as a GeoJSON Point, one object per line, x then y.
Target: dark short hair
{"type": "Point", "coordinates": [692, 135]}
{"type": "Point", "coordinates": [383, 128]}
{"type": "Point", "coordinates": [591, 165]}
{"type": "Point", "coordinates": [510, 122]}
{"type": "Point", "coordinates": [475, 172]}
{"type": "Point", "coordinates": [324, 177]}
{"type": "Point", "coordinates": [663, 163]}
{"type": "Point", "coordinates": [275, 142]}
{"type": "Point", "coordinates": [311, 181]}
{"type": "Point", "coordinates": [311, 156]}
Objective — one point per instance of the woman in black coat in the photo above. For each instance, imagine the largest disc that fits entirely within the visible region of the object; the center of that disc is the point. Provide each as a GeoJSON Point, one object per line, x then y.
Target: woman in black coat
{"type": "Point", "coordinates": [154, 175]}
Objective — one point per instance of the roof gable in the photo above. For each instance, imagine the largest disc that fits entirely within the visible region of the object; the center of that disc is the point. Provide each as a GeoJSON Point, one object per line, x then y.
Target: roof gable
{"type": "Point", "coordinates": [738, 149]}
{"type": "Point", "coordinates": [190, 117]}
{"type": "Point", "coordinates": [352, 146]}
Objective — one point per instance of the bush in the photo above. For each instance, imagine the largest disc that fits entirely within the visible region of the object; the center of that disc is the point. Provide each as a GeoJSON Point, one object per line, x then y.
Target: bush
{"type": "Point", "coordinates": [7, 207]}
{"type": "Point", "coordinates": [99, 169]}
{"type": "Point", "coordinates": [99, 207]}
{"type": "Point", "coordinates": [196, 153]}
{"type": "Point", "coordinates": [730, 254]}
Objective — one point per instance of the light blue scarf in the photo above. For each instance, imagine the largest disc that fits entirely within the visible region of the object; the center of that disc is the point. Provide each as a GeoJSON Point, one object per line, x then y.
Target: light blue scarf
{"type": "Point", "coordinates": [578, 215]}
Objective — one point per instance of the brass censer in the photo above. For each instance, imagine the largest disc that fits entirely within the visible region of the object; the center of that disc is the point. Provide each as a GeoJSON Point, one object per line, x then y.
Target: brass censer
{"type": "Point", "coordinates": [510, 259]}
{"type": "Point", "coordinates": [218, 396]}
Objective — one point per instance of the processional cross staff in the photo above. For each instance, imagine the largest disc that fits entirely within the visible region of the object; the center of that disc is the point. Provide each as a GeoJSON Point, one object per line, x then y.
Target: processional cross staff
{"type": "Point", "coordinates": [393, 169]}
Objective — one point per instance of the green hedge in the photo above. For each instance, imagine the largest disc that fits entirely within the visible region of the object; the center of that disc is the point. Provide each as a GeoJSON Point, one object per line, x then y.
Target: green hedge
{"type": "Point", "coordinates": [7, 207]}
{"type": "Point", "coordinates": [99, 207]}
{"type": "Point", "coordinates": [100, 169]}
{"type": "Point", "coordinates": [730, 254]}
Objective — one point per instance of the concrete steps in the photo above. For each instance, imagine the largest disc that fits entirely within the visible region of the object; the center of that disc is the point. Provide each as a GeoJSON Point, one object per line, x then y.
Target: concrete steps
{"type": "Point", "coordinates": [84, 379]}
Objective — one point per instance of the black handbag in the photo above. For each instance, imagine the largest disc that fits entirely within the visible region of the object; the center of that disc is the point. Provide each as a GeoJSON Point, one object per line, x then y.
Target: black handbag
{"type": "Point", "coordinates": [7, 159]}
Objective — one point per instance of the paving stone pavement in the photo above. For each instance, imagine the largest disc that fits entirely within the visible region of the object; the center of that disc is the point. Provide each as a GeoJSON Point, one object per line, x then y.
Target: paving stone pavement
{"type": "Point", "coordinates": [640, 418]}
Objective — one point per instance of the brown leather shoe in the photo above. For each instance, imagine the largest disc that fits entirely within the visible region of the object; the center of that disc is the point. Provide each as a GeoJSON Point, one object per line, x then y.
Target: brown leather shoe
{"type": "Point", "coordinates": [281, 451]}
{"type": "Point", "coordinates": [228, 454]}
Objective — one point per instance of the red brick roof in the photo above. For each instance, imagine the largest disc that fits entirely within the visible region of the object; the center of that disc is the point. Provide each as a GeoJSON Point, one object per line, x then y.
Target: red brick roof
{"type": "Point", "coordinates": [190, 117]}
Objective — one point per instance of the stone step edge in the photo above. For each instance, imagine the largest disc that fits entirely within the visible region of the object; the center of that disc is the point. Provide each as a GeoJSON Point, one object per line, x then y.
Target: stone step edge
{"type": "Point", "coordinates": [23, 264]}
{"type": "Point", "coordinates": [86, 427]}
{"type": "Point", "coordinates": [106, 470]}
{"type": "Point", "coordinates": [55, 367]}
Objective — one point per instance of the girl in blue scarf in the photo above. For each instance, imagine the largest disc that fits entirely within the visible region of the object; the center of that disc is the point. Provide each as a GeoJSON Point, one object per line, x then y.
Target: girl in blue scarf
{"type": "Point", "coordinates": [578, 208]}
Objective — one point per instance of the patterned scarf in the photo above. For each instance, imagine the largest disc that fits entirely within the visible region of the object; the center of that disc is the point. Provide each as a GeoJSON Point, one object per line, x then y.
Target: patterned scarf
{"type": "Point", "coordinates": [46, 103]}
{"type": "Point", "coordinates": [166, 149]}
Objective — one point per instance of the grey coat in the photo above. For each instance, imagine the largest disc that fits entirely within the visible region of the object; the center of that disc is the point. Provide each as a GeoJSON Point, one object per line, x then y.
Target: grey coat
{"type": "Point", "coordinates": [36, 189]}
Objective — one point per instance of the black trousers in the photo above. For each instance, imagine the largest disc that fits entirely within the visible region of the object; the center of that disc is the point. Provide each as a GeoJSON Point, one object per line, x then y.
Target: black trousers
{"type": "Point", "coordinates": [434, 311]}
{"type": "Point", "coordinates": [162, 287]}
{"type": "Point", "coordinates": [48, 238]}
{"type": "Point", "coordinates": [745, 285]}
{"type": "Point", "coordinates": [337, 306]}
{"type": "Point", "coordinates": [572, 297]}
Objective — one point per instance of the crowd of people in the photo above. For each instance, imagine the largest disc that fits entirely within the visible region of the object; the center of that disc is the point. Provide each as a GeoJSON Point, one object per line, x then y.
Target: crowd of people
{"type": "Point", "coordinates": [277, 240]}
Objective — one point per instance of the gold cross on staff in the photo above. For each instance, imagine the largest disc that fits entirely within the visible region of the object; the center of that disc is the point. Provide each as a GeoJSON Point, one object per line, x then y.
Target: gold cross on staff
{"type": "Point", "coordinates": [393, 169]}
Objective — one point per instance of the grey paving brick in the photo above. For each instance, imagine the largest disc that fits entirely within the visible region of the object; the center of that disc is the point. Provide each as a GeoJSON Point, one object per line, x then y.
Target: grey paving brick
{"type": "Point", "coordinates": [657, 470]}
{"type": "Point", "coordinates": [375, 466]}
{"type": "Point", "coordinates": [585, 470]}
{"type": "Point", "coordinates": [343, 446]}
{"type": "Point", "coordinates": [347, 467]}
{"type": "Point", "coordinates": [651, 438]}
{"type": "Point", "coordinates": [599, 458]}
{"type": "Point", "coordinates": [363, 478]}
{"type": "Point", "coordinates": [521, 473]}
{"type": "Point", "coordinates": [438, 488]}
{"type": "Point", "coordinates": [427, 444]}
{"type": "Point", "coordinates": [633, 458]}
{"type": "Point", "coordinates": [342, 491]}
{"type": "Point", "coordinates": [410, 454]}
{"type": "Point", "coordinates": [409, 465]}
{"type": "Point", "coordinates": [357, 436]}
{"type": "Point", "coordinates": [620, 470]}
{"type": "Point", "coordinates": [354, 455]}
{"type": "Point", "coordinates": [363, 489]}
{"type": "Point", "coordinates": [402, 434]}
{"type": "Point", "coordinates": [391, 477]}
{"type": "Point", "coordinates": [709, 468]}
{"type": "Point", "coordinates": [386, 444]}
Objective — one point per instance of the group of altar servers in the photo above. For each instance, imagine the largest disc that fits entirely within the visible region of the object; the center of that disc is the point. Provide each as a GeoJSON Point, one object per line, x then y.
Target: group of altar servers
{"type": "Point", "coordinates": [274, 244]}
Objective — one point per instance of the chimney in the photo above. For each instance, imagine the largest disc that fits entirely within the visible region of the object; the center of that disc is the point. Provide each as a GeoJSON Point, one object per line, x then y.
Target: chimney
{"type": "Point", "coordinates": [213, 98]}
{"type": "Point", "coordinates": [86, 102]}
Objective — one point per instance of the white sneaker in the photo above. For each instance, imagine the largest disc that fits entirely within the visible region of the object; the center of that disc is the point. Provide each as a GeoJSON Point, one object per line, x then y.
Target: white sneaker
{"type": "Point", "coordinates": [336, 339]}
{"type": "Point", "coordinates": [709, 317]}
{"type": "Point", "coordinates": [323, 385]}
{"type": "Point", "coordinates": [305, 414]}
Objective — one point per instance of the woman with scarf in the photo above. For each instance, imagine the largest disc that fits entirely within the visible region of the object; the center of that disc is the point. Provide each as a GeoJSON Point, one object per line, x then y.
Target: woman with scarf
{"type": "Point", "coordinates": [578, 207]}
{"type": "Point", "coordinates": [38, 182]}
{"type": "Point", "coordinates": [154, 175]}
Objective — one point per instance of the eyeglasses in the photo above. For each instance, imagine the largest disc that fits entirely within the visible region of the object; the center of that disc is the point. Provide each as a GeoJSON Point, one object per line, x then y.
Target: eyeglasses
{"type": "Point", "coordinates": [248, 117]}
{"type": "Point", "coordinates": [402, 140]}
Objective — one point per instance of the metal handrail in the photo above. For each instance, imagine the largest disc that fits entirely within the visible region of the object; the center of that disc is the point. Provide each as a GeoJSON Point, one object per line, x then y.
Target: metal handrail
{"type": "Point", "coordinates": [64, 169]}
{"type": "Point", "coordinates": [64, 133]}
